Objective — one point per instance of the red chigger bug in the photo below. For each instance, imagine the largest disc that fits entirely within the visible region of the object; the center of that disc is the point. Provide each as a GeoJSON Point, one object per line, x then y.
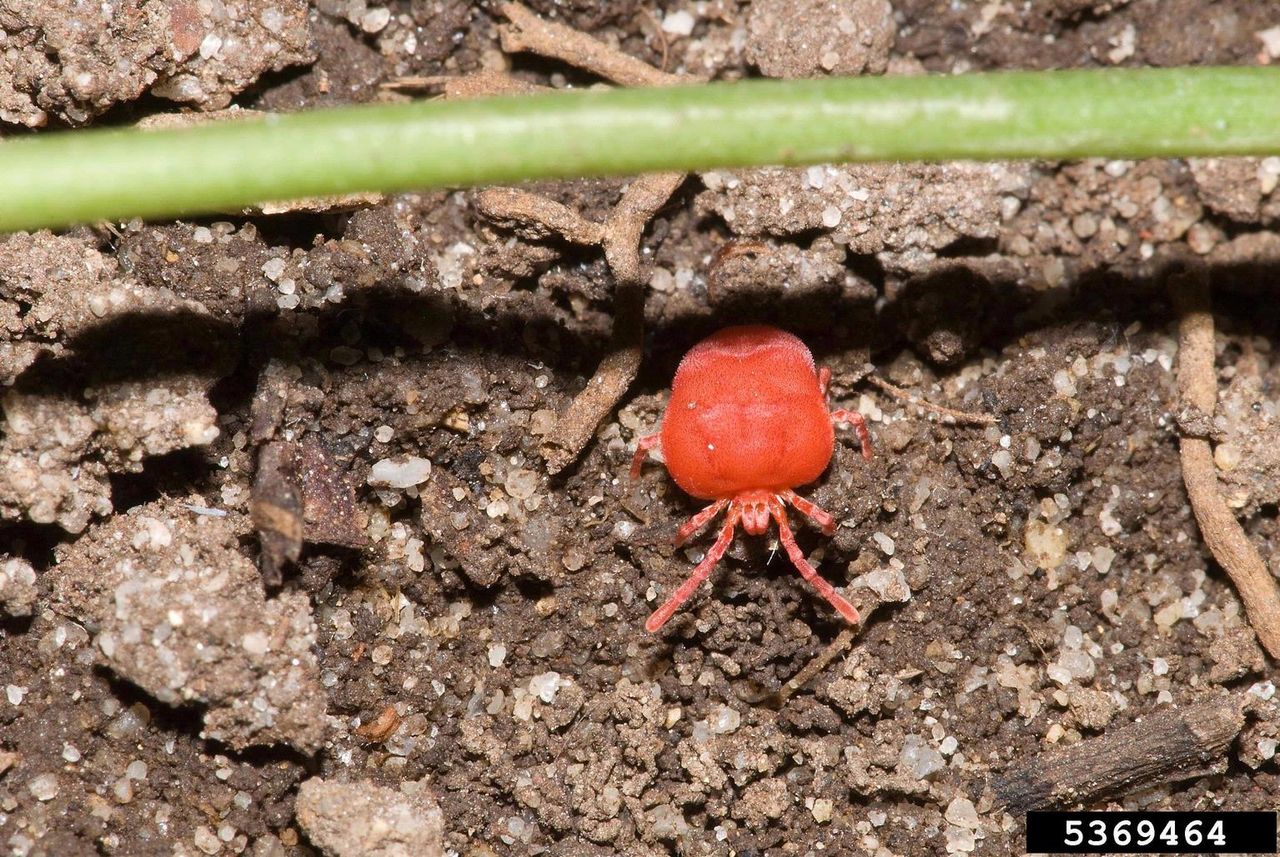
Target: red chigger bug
{"type": "Point", "coordinates": [746, 424]}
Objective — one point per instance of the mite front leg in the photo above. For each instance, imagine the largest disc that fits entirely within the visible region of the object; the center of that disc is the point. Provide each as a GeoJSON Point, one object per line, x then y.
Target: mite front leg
{"type": "Point", "coordinates": [807, 571]}
{"type": "Point", "coordinates": [811, 510]}
{"type": "Point", "coordinates": [643, 445]}
{"type": "Point", "coordinates": [698, 521]}
{"type": "Point", "coordinates": [700, 573]}
{"type": "Point", "coordinates": [859, 424]}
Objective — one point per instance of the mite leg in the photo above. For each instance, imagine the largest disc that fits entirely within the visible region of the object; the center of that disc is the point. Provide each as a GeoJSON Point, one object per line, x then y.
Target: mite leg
{"type": "Point", "coordinates": [859, 424]}
{"type": "Point", "coordinates": [807, 571]}
{"type": "Point", "coordinates": [699, 521]}
{"type": "Point", "coordinates": [643, 445]}
{"type": "Point", "coordinates": [700, 573]}
{"type": "Point", "coordinates": [824, 380]}
{"type": "Point", "coordinates": [811, 510]}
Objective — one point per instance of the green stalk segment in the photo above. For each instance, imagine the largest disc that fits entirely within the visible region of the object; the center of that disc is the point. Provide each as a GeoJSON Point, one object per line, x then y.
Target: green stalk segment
{"type": "Point", "coordinates": [56, 179]}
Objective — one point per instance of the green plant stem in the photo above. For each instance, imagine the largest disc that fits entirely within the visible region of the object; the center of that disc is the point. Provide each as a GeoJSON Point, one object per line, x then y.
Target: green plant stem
{"type": "Point", "coordinates": [56, 179]}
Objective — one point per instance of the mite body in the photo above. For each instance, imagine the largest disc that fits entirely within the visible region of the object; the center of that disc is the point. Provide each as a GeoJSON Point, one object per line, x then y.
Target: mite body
{"type": "Point", "coordinates": [747, 423]}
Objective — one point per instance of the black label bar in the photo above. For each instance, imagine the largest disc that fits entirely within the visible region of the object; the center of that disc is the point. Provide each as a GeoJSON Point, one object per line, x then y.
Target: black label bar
{"type": "Point", "coordinates": [1151, 832]}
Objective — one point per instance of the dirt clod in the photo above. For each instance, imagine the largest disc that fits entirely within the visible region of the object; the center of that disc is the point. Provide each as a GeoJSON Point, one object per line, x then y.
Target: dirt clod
{"type": "Point", "coordinates": [17, 587]}
{"type": "Point", "coordinates": [361, 819]}
{"type": "Point", "coordinates": [811, 38]}
{"type": "Point", "coordinates": [176, 609]}
{"type": "Point", "coordinates": [73, 62]}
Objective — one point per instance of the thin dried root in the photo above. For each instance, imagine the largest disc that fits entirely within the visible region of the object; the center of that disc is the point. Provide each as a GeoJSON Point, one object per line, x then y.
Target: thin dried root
{"type": "Point", "coordinates": [868, 604]}
{"type": "Point", "coordinates": [1198, 384]}
{"type": "Point", "coordinates": [538, 218]}
{"type": "Point", "coordinates": [620, 238]}
{"type": "Point", "coordinates": [482, 84]}
{"type": "Point", "coordinates": [528, 32]}
{"type": "Point", "coordinates": [833, 650]}
{"type": "Point", "coordinates": [577, 425]}
{"type": "Point", "coordinates": [962, 417]}
{"type": "Point", "coordinates": [1173, 743]}
{"type": "Point", "coordinates": [660, 34]}
{"type": "Point", "coordinates": [642, 199]}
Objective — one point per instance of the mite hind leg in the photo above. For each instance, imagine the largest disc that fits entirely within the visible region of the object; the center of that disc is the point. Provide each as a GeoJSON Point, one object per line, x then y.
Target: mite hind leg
{"type": "Point", "coordinates": [700, 573]}
{"type": "Point", "coordinates": [859, 424]}
{"type": "Point", "coordinates": [807, 571]}
{"type": "Point", "coordinates": [643, 445]}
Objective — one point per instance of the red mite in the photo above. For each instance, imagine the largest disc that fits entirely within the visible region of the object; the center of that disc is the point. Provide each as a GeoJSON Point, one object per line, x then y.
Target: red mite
{"type": "Point", "coordinates": [746, 424]}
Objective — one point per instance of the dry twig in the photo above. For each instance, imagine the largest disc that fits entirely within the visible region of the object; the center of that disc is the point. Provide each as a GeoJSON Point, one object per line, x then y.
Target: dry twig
{"type": "Point", "coordinates": [576, 426]}
{"type": "Point", "coordinates": [482, 84]}
{"type": "Point", "coordinates": [528, 32]}
{"type": "Point", "coordinates": [833, 650]}
{"type": "Point", "coordinates": [659, 34]}
{"type": "Point", "coordinates": [867, 601]}
{"type": "Point", "coordinates": [536, 217]}
{"type": "Point", "coordinates": [1198, 384]}
{"type": "Point", "coordinates": [962, 417]}
{"type": "Point", "coordinates": [1173, 744]}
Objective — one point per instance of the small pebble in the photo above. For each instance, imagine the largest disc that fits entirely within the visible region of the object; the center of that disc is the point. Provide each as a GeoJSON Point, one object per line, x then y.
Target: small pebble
{"type": "Point", "coordinates": [678, 23]}
{"type": "Point", "coordinates": [256, 643]}
{"type": "Point", "coordinates": [1059, 674]}
{"type": "Point", "coordinates": [884, 542]}
{"type": "Point", "coordinates": [1045, 544]}
{"type": "Point", "coordinates": [521, 483]}
{"type": "Point", "coordinates": [273, 268]}
{"type": "Point", "coordinates": [545, 686]}
{"type": "Point", "coordinates": [725, 720]}
{"type": "Point", "coordinates": [1063, 383]}
{"type": "Point", "coordinates": [1072, 637]}
{"type": "Point", "coordinates": [1102, 558]}
{"type": "Point", "coordinates": [43, 787]}
{"type": "Point", "coordinates": [888, 583]}
{"type": "Point", "coordinates": [122, 791]}
{"type": "Point", "coordinates": [375, 20]}
{"type": "Point", "coordinates": [961, 813]}
{"type": "Point", "coordinates": [209, 47]}
{"type": "Point", "coordinates": [919, 758]}
{"type": "Point", "coordinates": [206, 840]}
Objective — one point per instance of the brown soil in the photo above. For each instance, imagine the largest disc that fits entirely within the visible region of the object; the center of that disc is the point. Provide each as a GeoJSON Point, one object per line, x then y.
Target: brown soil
{"type": "Point", "coordinates": [223, 558]}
